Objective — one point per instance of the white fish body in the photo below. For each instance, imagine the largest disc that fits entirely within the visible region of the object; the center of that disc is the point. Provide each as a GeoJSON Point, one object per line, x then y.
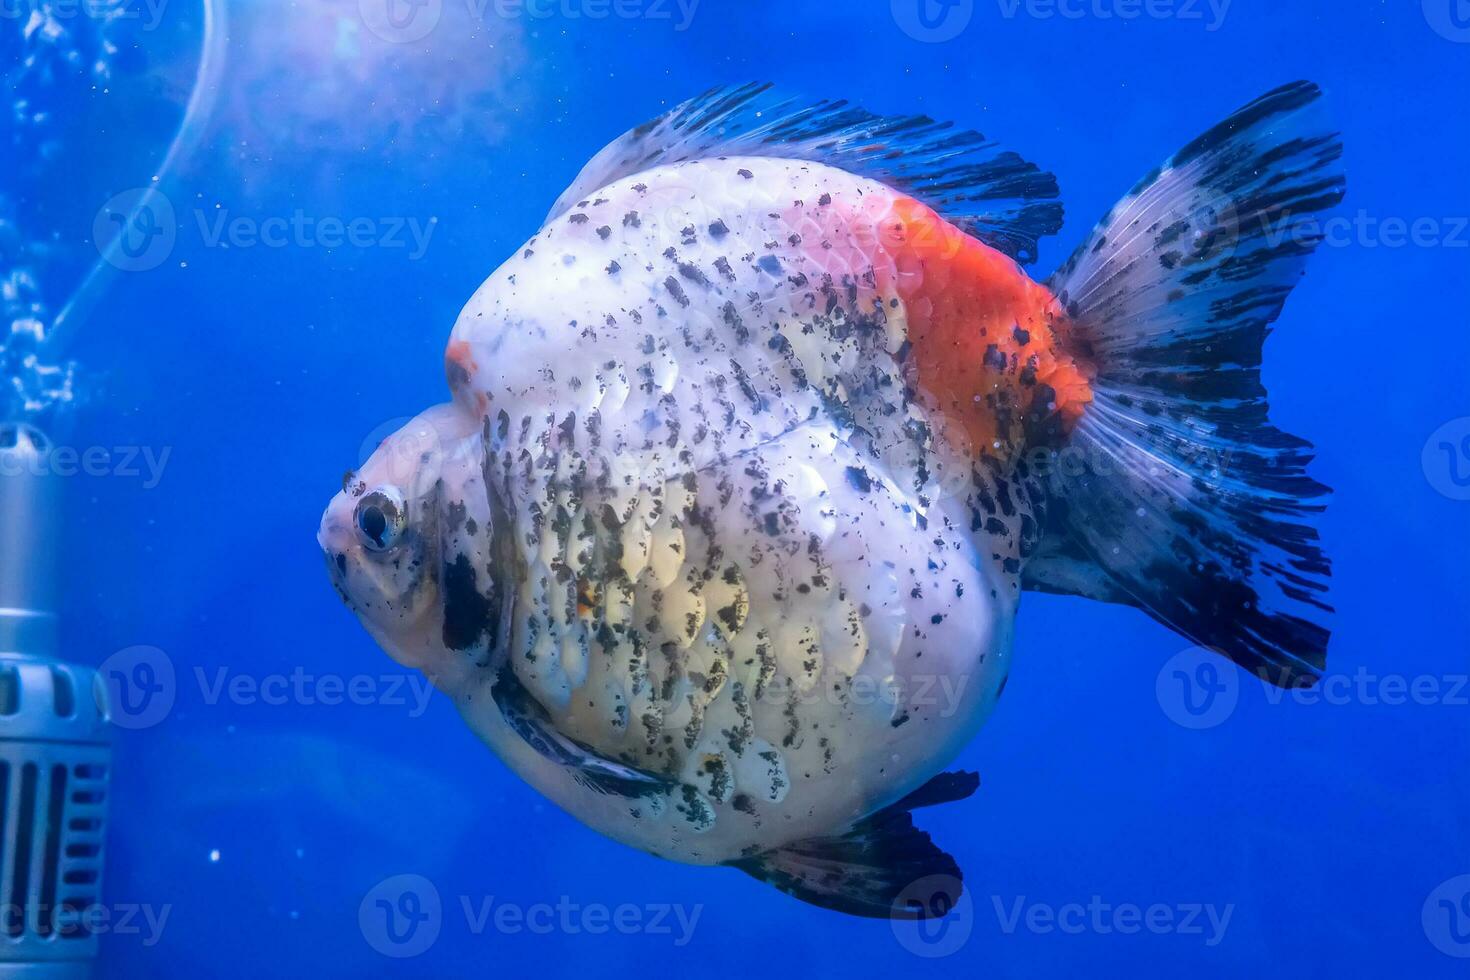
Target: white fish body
{"type": "Point", "coordinates": [720, 542]}
{"type": "Point", "coordinates": [797, 630]}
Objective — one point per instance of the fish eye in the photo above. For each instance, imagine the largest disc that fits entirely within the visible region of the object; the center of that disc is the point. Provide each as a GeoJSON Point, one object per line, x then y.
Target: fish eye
{"type": "Point", "coordinates": [379, 519]}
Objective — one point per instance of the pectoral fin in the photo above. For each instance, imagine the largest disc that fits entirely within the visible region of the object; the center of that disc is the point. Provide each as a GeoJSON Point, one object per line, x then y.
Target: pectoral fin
{"type": "Point", "coordinates": [529, 719]}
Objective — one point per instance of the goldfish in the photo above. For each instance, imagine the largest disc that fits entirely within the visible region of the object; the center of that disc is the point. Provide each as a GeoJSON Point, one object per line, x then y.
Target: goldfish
{"type": "Point", "coordinates": [753, 448]}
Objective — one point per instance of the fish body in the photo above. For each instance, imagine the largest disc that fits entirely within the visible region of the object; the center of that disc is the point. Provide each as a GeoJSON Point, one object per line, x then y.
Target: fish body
{"type": "Point", "coordinates": [750, 456]}
{"type": "Point", "coordinates": [744, 512]}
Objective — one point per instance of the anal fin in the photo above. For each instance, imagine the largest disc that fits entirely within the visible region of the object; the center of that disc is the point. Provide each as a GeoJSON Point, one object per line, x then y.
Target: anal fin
{"type": "Point", "coordinates": [871, 869]}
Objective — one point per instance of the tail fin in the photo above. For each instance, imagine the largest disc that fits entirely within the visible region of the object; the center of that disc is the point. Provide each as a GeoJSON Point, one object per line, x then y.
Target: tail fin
{"type": "Point", "coordinates": [1188, 502]}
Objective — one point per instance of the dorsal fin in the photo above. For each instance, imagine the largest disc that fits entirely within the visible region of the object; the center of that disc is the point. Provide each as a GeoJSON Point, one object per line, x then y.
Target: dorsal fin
{"type": "Point", "coordinates": [991, 193]}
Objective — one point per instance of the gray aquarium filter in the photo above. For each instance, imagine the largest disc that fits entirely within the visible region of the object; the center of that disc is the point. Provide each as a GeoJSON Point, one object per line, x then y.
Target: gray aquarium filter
{"type": "Point", "coordinates": [55, 740]}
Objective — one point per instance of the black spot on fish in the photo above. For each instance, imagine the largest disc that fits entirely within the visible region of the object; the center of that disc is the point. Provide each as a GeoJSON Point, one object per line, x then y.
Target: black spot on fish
{"type": "Point", "coordinates": [457, 375]}
{"type": "Point", "coordinates": [691, 272]}
{"type": "Point", "coordinates": [676, 291]}
{"type": "Point", "coordinates": [466, 611]}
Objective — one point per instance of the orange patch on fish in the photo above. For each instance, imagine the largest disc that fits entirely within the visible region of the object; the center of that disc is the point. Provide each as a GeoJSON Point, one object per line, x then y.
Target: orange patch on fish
{"type": "Point", "coordinates": [984, 338]}
{"type": "Point", "coordinates": [459, 367]}
{"type": "Point", "coordinates": [459, 363]}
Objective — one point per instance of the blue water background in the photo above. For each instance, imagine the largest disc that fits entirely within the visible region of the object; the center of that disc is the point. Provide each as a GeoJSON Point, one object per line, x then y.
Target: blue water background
{"type": "Point", "coordinates": [261, 371]}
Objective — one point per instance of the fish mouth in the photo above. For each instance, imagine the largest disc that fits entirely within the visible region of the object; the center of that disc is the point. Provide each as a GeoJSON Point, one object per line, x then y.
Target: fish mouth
{"type": "Point", "coordinates": [330, 537]}
{"type": "Point", "coordinates": [337, 572]}
{"type": "Point", "coordinates": [334, 537]}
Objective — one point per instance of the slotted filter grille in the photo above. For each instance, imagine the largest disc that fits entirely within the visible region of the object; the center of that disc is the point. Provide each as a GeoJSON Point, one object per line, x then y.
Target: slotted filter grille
{"type": "Point", "coordinates": [55, 752]}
